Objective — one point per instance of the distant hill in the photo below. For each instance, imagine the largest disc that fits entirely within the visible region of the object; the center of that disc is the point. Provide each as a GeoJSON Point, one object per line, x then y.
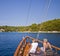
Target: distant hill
{"type": "Point", "coordinates": [51, 25]}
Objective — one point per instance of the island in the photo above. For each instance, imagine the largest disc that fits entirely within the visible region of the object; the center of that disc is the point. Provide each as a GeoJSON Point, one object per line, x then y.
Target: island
{"type": "Point", "coordinates": [48, 26]}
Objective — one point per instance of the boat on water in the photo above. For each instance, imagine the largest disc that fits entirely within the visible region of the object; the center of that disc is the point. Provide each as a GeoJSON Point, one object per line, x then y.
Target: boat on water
{"type": "Point", "coordinates": [24, 46]}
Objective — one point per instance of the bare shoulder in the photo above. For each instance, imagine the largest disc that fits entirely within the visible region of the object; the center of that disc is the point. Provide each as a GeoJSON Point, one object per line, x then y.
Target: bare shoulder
{"type": "Point", "coordinates": [48, 43]}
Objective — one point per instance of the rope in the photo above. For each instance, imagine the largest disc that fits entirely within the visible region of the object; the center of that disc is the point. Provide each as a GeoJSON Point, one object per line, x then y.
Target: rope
{"type": "Point", "coordinates": [28, 11]}
{"type": "Point", "coordinates": [46, 13]}
{"type": "Point", "coordinates": [47, 8]}
{"type": "Point", "coordinates": [37, 35]}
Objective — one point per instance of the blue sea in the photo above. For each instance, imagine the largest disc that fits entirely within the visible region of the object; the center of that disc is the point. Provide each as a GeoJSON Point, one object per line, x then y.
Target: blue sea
{"type": "Point", "coordinates": [10, 40]}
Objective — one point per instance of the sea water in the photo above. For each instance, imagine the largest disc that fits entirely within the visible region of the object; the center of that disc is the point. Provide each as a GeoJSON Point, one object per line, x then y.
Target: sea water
{"type": "Point", "coordinates": [10, 40]}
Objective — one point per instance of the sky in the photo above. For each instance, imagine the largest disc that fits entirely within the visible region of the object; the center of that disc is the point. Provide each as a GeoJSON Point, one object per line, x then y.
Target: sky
{"type": "Point", "coordinates": [27, 12]}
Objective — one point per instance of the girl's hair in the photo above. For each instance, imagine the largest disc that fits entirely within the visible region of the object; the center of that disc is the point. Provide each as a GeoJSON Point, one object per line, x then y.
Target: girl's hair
{"type": "Point", "coordinates": [45, 40]}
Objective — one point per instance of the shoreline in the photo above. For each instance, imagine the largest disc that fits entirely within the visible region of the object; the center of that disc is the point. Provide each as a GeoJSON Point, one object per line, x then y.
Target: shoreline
{"type": "Point", "coordinates": [41, 32]}
{"type": "Point", "coordinates": [38, 32]}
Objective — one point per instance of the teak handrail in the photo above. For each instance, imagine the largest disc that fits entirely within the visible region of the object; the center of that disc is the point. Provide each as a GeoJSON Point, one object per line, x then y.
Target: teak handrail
{"type": "Point", "coordinates": [27, 37]}
{"type": "Point", "coordinates": [18, 48]}
{"type": "Point", "coordinates": [42, 42]}
{"type": "Point", "coordinates": [57, 48]}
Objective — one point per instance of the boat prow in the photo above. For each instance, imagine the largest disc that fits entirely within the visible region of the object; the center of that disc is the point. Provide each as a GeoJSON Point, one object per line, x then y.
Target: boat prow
{"type": "Point", "coordinates": [24, 47]}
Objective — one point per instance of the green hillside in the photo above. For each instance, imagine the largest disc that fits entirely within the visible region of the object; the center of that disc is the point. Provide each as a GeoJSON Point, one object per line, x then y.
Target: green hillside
{"type": "Point", "coordinates": [51, 25]}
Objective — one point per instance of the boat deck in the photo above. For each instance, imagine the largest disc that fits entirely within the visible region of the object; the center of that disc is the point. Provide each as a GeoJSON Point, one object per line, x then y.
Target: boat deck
{"type": "Point", "coordinates": [24, 46]}
{"type": "Point", "coordinates": [40, 55]}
